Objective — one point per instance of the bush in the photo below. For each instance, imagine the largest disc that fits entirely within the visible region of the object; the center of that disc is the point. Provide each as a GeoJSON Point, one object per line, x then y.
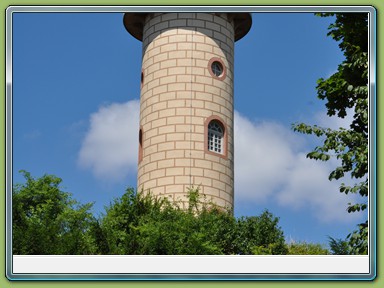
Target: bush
{"type": "Point", "coordinates": [47, 221]}
{"type": "Point", "coordinates": [143, 224]}
{"type": "Point", "coordinates": [304, 248]}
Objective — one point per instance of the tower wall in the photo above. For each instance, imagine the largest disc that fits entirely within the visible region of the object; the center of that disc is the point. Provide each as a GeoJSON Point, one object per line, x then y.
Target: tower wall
{"type": "Point", "coordinates": [180, 95]}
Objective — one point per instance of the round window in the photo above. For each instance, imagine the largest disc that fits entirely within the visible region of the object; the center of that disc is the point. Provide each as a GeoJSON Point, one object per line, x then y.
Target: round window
{"type": "Point", "coordinates": [217, 68]}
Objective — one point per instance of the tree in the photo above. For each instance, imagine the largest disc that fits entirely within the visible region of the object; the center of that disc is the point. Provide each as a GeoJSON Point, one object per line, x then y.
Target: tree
{"type": "Point", "coordinates": [304, 248]}
{"type": "Point", "coordinates": [47, 221]}
{"type": "Point", "coordinates": [347, 89]}
{"type": "Point", "coordinates": [122, 218]}
{"type": "Point", "coordinates": [259, 235]}
{"type": "Point", "coordinates": [339, 246]}
{"type": "Point", "coordinates": [139, 223]}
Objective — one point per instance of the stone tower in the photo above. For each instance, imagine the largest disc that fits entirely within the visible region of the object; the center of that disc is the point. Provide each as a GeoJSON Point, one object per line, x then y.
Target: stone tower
{"type": "Point", "coordinates": [186, 102]}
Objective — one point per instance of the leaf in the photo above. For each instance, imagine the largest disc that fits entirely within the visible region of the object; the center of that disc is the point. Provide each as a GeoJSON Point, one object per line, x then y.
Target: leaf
{"type": "Point", "coordinates": [345, 89]}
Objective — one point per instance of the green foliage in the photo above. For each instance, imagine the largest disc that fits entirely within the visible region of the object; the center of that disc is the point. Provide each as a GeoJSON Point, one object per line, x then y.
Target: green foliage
{"type": "Point", "coordinates": [339, 246]}
{"type": "Point", "coordinates": [46, 220]}
{"type": "Point", "coordinates": [358, 240]}
{"type": "Point", "coordinates": [119, 225]}
{"type": "Point", "coordinates": [347, 88]}
{"type": "Point", "coordinates": [193, 199]}
{"type": "Point", "coordinates": [304, 248]}
{"type": "Point", "coordinates": [259, 234]}
{"type": "Point", "coordinates": [202, 229]}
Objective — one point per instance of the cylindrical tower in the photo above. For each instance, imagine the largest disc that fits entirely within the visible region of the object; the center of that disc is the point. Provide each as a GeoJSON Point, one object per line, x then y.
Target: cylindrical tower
{"type": "Point", "coordinates": [186, 102]}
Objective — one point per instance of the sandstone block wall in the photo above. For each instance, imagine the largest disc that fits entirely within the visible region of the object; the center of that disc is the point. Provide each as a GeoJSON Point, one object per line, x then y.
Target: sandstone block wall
{"type": "Point", "coordinates": [179, 96]}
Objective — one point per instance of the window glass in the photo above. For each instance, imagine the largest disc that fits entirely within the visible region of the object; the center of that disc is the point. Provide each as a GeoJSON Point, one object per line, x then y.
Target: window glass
{"type": "Point", "coordinates": [217, 68]}
{"type": "Point", "coordinates": [215, 136]}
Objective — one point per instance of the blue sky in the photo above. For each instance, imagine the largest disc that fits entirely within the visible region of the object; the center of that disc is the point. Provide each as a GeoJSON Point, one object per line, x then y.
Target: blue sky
{"type": "Point", "coordinates": [76, 85]}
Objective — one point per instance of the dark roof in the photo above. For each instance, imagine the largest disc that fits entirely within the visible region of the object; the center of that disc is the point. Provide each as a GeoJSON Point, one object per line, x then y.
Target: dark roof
{"type": "Point", "coordinates": [134, 23]}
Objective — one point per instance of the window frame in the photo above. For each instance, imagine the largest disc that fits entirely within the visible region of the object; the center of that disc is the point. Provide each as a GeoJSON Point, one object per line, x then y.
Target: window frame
{"type": "Point", "coordinates": [224, 144]}
{"type": "Point", "coordinates": [221, 62]}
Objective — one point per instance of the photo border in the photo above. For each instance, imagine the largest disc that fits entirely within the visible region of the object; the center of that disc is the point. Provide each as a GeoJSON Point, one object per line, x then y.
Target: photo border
{"type": "Point", "coordinates": [372, 145]}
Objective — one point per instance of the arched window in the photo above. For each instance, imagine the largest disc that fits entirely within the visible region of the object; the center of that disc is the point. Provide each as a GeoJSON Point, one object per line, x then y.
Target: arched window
{"type": "Point", "coordinates": [215, 137]}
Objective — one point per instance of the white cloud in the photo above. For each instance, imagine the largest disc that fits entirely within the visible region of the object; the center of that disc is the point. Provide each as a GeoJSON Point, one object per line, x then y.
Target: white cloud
{"type": "Point", "coordinates": [307, 186]}
{"type": "Point", "coordinates": [263, 153]}
{"type": "Point", "coordinates": [270, 162]}
{"type": "Point", "coordinates": [110, 146]}
{"type": "Point", "coordinates": [270, 165]}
